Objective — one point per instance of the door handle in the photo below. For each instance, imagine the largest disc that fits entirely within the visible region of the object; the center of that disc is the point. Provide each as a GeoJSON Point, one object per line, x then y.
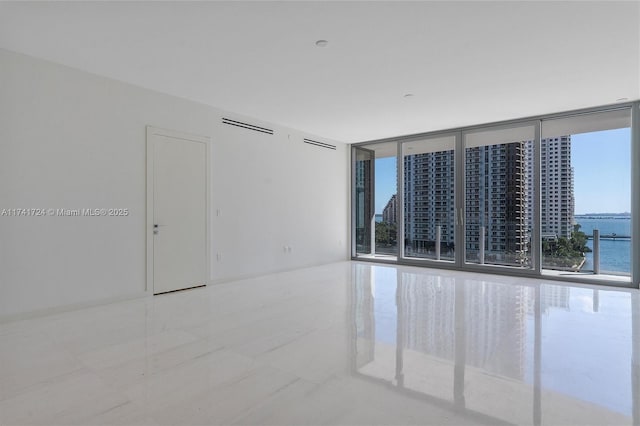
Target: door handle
{"type": "Point", "coordinates": [156, 228]}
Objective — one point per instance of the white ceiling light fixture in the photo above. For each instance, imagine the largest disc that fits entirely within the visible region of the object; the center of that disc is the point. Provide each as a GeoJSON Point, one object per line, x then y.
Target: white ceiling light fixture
{"type": "Point", "coordinates": [408, 95]}
{"type": "Point", "coordinates": [322, 43]}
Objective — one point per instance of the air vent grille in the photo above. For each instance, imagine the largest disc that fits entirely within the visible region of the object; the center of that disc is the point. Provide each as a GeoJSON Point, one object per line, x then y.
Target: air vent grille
{"type": "Point", "coordinates": [246, 126]}
{"type": "Point", "coordinates": [320, 144]}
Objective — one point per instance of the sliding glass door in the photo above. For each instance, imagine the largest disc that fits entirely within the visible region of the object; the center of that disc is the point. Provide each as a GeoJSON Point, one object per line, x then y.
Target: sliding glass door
{"type": "Point", "coordinates": [550, 196]}
{"type": "Point", "coordinates": [498, 196]}
{"type": "Point", "coordinates": [429, 200]}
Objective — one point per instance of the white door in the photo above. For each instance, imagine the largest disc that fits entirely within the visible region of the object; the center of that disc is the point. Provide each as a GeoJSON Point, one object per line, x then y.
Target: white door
{"type": "Point", "coordinates": [177, 228]}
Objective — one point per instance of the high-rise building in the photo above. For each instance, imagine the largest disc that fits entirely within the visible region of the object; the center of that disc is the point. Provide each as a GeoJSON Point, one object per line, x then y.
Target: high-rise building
{"type": "Point", "coordinates": [495, 201]}
{"type": "Point", "coordinates": [429, 200]}
{"type": "Point", "coordinates": [529, 183]}
{"type": "Point", "coordinates": [363, 192]}
{"type": "Point", "coordinates": [558, 203]}
{"type": "Point", "coordinates": [390, 211]}
{"type": "Point", "coordinates": [499, 196]}
{"type": "Point", "coordinates": [556, 177]}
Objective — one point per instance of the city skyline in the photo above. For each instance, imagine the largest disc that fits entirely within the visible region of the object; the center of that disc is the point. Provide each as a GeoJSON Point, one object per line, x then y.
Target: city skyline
{"type": "Point", "coordinates": [592, 193]}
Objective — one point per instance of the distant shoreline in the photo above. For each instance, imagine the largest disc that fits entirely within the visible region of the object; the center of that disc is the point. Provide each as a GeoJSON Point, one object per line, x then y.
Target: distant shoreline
{"type": "Point", "coordinates": [602, 216]}
{"type": "Point", "coordinates": [623, 214]}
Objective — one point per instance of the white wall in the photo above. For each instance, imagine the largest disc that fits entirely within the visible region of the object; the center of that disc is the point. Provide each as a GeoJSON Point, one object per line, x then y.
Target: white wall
{"type": "Point", "coordinates": [70, 139]}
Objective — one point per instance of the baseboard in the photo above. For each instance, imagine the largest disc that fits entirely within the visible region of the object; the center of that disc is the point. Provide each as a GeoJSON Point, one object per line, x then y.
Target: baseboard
{"type": "Point", "coordinates": [68, 308]}
{"type": "Point", "coordinates": [269, 272]}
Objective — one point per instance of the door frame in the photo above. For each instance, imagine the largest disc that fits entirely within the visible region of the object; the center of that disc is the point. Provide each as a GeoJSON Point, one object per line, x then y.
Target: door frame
{"type": "Point", "coordinates": [174, 134]}
{"type": "Point", "coordinates": [371, 202]}
{"type": "Point", "coordinates": [400, 214]}
{"type": "Point", "coordinates": [536, 246]}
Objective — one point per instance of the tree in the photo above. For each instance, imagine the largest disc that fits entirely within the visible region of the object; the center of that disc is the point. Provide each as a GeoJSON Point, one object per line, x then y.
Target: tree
{"type": "Point", "coordinates": [566, 252]}
{"type": "Point", "coordinates": [386, 233]}
{"type": "Point", "coordinates": [579, 240]}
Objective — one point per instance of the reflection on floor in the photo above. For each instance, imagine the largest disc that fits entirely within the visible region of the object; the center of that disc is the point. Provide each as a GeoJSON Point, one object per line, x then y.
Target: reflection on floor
{"type": "Point", "coordinates": [379, 256]}
{"type": "Point", "coordinates": [346, 343]}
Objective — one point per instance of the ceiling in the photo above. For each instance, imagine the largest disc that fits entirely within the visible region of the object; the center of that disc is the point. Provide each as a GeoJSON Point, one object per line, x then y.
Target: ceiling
{"type": "Point", "coordinates": [464, 62]}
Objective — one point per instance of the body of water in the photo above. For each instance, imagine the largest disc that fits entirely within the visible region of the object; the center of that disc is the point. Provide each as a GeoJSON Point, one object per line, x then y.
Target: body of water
{"type": "Point", "coordinates": [615, 255]}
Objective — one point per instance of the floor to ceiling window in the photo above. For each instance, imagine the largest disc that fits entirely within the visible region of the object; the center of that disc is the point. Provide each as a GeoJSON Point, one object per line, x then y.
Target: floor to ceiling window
{"type": "Point", "coordinates": [498, 219]}
{"type": "Point", "coordinates": [586, 193]}
{"type": "Point", "coordinates": [548, 196]}
{"type": "Point", "coordinates": [375, 209]}
{"type": "Point", "coordinates": [429, 198]}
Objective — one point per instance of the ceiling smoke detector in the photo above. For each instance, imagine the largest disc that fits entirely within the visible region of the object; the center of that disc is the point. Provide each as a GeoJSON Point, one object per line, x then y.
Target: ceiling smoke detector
{"type": "Point", "coordinates": [322, 43]}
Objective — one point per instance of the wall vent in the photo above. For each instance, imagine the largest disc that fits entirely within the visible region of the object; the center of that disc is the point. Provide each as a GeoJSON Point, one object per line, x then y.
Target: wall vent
{"type": "Point", "coordinates": [320, 144]}
{"type": "Point", "coordinates": [246, 126]}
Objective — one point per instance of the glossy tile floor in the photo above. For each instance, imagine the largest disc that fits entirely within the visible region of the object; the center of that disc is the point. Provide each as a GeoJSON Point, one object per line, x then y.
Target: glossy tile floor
{"type": "Point", "coordinates": [346, 343]}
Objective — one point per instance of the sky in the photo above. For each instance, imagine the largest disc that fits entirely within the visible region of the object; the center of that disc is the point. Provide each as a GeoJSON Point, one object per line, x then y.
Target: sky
{"type": "Point", "coordinates": [602, 173]}
{"type": "Point", "coordinates": [385, 181]}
